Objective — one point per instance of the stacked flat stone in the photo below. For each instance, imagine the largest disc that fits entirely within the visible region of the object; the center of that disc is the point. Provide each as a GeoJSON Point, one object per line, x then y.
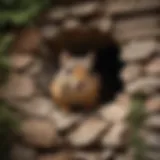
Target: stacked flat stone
{"type": "Point", "coordinates": [135, 19]}
{"type": "Point", "coordinates": [46, 132]}
{"type": "Point", "coordinates": [44, 126]}
{"type": "Point", "coordinates": [137, 29]}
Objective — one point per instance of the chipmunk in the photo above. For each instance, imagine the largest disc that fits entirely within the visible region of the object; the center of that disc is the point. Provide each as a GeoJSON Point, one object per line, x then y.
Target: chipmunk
{"type": "Point", "coordinates": [75, 83]}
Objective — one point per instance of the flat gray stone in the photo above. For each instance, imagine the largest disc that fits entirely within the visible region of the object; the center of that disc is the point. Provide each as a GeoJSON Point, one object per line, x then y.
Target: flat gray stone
{"type": "Point", "coordinates": [116, 135]}
{"type": "Point", "coordinates": [153, 67]}
{"type": "Point", "coordinates": [88, 132]}
{"type": "Point", "coordinates": [19, 86]}
{"type": "Point", "coordinates": [153, 103]}
{"type": "Point", "coordinates": [63, 120]}
{"type": "Point", "coordinates": [145, 85]}
{"type": "Point", "coordinates": [38, 106]}
{"type": "Point", "coordinates": [131, 72]}
{"type": "Point", "coordinates": [20, 61]}
{"type": "Point", "coordinates": [139, 50]}
{"type": "Point", "coordinates": [153, 121]}
{"type": "Point", "coordinates": [113, 112]}
{"type": "Point", "coordinates": [39, 133]}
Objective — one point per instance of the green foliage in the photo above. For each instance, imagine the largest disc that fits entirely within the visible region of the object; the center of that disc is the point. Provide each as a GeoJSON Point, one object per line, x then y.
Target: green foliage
{"type": "Point", "coordinates": [5, 41]}
{"type": "Point", "coordinates": [13, 14]}
{"type": "Point", "coordinates": [9, 125]}
{"type": "Point", "coordinates": [19, 12]}
{"type": "Point", "coordinates": [136, 118]}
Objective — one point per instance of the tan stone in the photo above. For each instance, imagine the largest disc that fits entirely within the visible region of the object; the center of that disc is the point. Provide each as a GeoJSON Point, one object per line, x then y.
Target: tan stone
{"type": "Point", "coordinates": [153, 103]}
{"type": "Point", "coordinates": [71, 24]}
{"type": "Point", "coordinates": [153, 155]}
{"type": "Point", "coordinates": [107, 154]}
{"type": "Point", "coordinates": [20, 60]}
{"type": "Point", "coordinates": [57, 14]}
{"type": "Point", "coordinates": [113, 112]}
{"type": "Point", "coordinates": [38, 106]}
{"type": "Point", "coordinates": [103, 24]}
{"type": "Point", "coordinates": [145, 85]}
{"type": "Point", "coordinates": [19, 86]}
{"type": "Point", "coordinates": [56, 156]}
{"type": "Point", "coordinates": [123, 99]}
{"type": "Point", "coordinates": [153, 122]}
{"type": "Point", "coordinates": [35, 68]}
{"type": "Point", "coordinates": [139, 50]}
{"type": "Point", "coordinates": [88, 132]}
{"type": "Point", "coordinates": [124, 7]}
{"type": "Point", "coordinates": [116, 136]}
{"type": "Point", "coordinates": [153, 67]}
{"type": "Point", "coordinates": [84, 9]}
{"type": "Point", "coordinates": [39, 133]}
{"type": "Point", "coordinates": [50, 31]}
{"type": "Point", "coordinates": [63, 120]}
{"type": "Point", "coordinates": [86, 155]}
{"type": "Point", "coordinates": [131, 72]}
{"type": "Point", "coordinates": [152, 139]}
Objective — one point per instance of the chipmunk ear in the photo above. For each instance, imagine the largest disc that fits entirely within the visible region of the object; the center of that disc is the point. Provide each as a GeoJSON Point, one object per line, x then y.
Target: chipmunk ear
{"type": "Point", "coordinates": [64, 57]}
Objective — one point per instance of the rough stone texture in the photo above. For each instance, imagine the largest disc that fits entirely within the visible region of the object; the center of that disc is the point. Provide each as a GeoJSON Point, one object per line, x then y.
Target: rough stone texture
{"type": "Point", "coordinates": [35, 68]}
{"type": "Point", "coordinates": [153, 103]}
{"type": "Point", "coordinates": [113, 112]}
{"type": "Point", "coordinates": [139, 27]}
{"type": "Point", "coordinates": [123, 99]}
{"type": "Point", "coordinates": [20, 152]}
{"type": "Point", "coordinates": [121, 7]}
{"type": "Point", "coordinates": [153, 67]}
{"type": "Point", "coordinates": [131, 72]}
{"type": "Point", "coordinates": [109, 130]}
{"type": "Point", "coordinates": [88, 132]}
{"type": "Point", "coordinates": [152, 139]}
{"type": "Point", "coordinates": [64, 121]}
{"type": "Point", "coordinates": [19, 86]}
{"type": "Point", "coordinates": [116, 136]}
{"type": "Point", "coordinates": [153, 155]}
{"type": "Point", "coordinates": [86, 155]}
{"type": "Point", "coordinates": [153, 122]}
{"type": "Point", "coordinates": [19, 61]}
{"type": "Point", "coordinates": [103, 24]}
{"type": "Point", "coordinates": [49, 32]}
{"type": "Point", "coordinates": [107, 154]}
{"type": "Point", "coordinates": [39, 133]}
{"type": "Point", "coordinates": [139, 50]}
{"type": "Point", "coordinates": [38, 106]}
{"type": "Point", "coordinates": [71, 24]}
{"type": "Point", "coordinates": [57, 14]}
{"type": "Point", "coordinates": [56, 156]}
{"type": "Point", "coordinates": [84, 9]}
{"type": "Point", "coordinates": [146, 85]}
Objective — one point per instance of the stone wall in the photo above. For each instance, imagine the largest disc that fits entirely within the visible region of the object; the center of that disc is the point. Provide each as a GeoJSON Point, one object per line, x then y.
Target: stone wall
{"type": "Point", "coordinates": [47, 133]}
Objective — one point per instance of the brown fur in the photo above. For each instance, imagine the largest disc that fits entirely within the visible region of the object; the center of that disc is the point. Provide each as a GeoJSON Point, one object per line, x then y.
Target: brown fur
{"type": "Point", "coordinates": [65, 93]}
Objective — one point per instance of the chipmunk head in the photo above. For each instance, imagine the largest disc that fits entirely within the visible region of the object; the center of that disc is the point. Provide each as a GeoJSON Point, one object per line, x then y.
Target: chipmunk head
{"type": "Point", "coordinates": [68, 61]}
{"type": "Point", "coordinates": [77, 68]}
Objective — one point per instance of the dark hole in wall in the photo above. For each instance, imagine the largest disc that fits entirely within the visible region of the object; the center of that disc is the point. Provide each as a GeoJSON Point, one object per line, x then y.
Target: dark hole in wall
{"type": "Point", "coordinates": [108, 65]}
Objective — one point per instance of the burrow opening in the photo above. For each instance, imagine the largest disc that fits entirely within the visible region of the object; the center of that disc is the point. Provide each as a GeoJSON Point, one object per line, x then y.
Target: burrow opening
{"type": "Point", "coordinates": [107, 64]}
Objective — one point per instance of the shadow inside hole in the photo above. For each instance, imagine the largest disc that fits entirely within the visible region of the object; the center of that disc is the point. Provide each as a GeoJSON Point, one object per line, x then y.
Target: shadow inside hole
{"type": "Point", "coordinates": [108, 66]}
